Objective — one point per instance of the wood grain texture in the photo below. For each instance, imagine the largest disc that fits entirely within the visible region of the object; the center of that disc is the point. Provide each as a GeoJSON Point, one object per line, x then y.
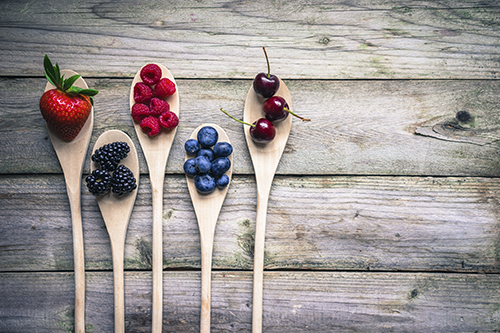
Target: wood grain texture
{"type": "Point", "coordinates": [357, 127]}
{"type": "Point", "coordinates": [350, 39]}
{"type": "Point", "coordinates": [321, 223]}
{"type": "Point", "coordinates": [383, 216]}
{"type": "Point", "coordinates": [294, 301]}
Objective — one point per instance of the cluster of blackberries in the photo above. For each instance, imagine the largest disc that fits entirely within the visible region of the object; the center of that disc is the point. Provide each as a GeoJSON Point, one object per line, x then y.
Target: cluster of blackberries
{"type": "Point", "coordinates": [210, 160]}
{"type": "Point", "coordinates": [111, 176]}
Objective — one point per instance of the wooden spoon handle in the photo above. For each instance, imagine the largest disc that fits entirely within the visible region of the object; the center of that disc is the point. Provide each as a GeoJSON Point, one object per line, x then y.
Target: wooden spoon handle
{"type": "Point", "coordinates": [157, 189]}
{"type": "Point", "coordinates": [258, 265]}
{"type": "Point", "coordinates": [117, 249]}
{"type": "Point", "coordinates": [206, 282]}
{"type": "Point", "coordinates": [79, 259]}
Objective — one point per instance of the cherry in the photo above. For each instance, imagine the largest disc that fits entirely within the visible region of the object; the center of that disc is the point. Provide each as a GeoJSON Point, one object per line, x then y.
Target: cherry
{"type": "Point", "coordinates": [261, 131]}
{"type": "Point", "coordinates": [266, 85]}
{"type": "Point", "coordinates": [276, 109]}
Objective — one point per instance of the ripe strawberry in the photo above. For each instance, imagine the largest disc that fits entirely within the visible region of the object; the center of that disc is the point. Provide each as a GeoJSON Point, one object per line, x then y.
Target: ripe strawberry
{"type": "Point", "coordinates": [65, 108]}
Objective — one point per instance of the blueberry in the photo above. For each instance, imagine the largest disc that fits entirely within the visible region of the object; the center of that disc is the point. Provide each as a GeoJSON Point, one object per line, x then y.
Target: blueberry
{"type": "Point", "coordinates": [207, 152]}
{"type": "Point", "coordinates": [205, 184]}
{"type": "Point", "coordinates": [222, 181]}
{"type": "Point", "coordinates": [223, 149]}
{"type": "Point", "coordinates": [192, 146]}
{"type": "Point", "coordinates": [220, 166]}
{"type": "Point", "coordinates": [208, 136]}
{"type": "Point", "coordinates": [190, 167]}
{"type": "Point", "coordinates": [202, 164]}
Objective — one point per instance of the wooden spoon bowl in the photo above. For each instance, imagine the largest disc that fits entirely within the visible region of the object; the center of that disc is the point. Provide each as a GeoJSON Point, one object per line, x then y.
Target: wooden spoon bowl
{"type": "Point", "coordinates": [265, 159]}
{"type": "Point", "coordinates": [207, 208]}
{"type": "Point", "coordinates": [116, 211]}
{"type": "Point", "coordinates": [156, 151]}
{"type": "Point", "coordinates": [71, 156]}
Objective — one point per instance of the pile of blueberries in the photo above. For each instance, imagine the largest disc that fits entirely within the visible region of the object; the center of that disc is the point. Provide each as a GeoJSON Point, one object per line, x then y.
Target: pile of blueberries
{"type": "Point", "coordinates": [209, 161]}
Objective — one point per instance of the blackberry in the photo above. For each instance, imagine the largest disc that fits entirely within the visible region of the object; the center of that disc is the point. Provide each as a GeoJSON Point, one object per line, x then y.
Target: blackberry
{"type": "Point", "coordinates": [99, 182]}
{"type": "Point", "coordinates": [109, 155]}
{"type": "Point", "coordinates": [123, 181]}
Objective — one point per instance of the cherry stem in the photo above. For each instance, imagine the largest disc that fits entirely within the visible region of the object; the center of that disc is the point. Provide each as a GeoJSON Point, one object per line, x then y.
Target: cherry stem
{"type": "Point", "coordinates": [238, 120]}
{"type": "Point", "coordinates": [293, 114]}
{"type": "Point", "coordinates": [268, 66]}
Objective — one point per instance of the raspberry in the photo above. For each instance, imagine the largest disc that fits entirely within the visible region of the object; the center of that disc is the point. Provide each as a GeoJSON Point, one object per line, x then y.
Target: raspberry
{"type": "Point", "coordinates": [168, 120]}
{"type": "Point", "coordinates": [164, 88]}
{"type": "Point", "coordinates": [139, 112]}
{"type": "Point", "coordinates": [158, 106]}
{"type": "Point", "coordinates": [150, 74]}
{"type": "Point", "coordinates": [99, 182]}
{"type": "Point", "coordinates": [123, 181]}
{"type": "Point", "coordinates": [142, 93]}
{"type": "Point", "coordinates": [151, 126]}
{"type": "Point", "coordinates": [109, 155]}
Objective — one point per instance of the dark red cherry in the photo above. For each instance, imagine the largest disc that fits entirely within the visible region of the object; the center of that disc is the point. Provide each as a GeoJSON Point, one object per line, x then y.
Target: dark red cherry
{"type": "Point", "coordinates": [266, 85]}
{"type": "Point", "coordinates": [262, 131]}
{"type": "Point", "coordinates": [275, 108]}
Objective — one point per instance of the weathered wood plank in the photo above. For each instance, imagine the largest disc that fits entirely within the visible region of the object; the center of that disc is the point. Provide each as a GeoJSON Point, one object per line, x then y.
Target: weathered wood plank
{"type": "Point", "coordinates": [351, 39]}
{"type": "Point", "coordinates": [323, 223]}
{"type": "Point", "coordinates": [357, 127]}
{"type": "Point", "coordinates": [293, 301]}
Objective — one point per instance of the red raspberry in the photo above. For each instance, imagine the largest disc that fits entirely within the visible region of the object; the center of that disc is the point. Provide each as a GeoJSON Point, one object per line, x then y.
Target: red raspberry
{"type": "Point", "coordinates": [151, 126]}
{"type": "Point", "coordinates": [168, 120]}
{"type": "Point", "coordinates": [139, 112]}
{"type": "Point", "coordinates": [165, 88]}
{"type": "Point", "coordinates": [158, 106]}
{"type": "Point", "coordinates": [142, 93]}
{"type": "Point", "coordinates": [150, 74]}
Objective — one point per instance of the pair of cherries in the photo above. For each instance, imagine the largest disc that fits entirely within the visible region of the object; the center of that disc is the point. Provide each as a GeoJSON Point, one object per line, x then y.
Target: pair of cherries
{"type": "Point", "coordinates": [275, 107]}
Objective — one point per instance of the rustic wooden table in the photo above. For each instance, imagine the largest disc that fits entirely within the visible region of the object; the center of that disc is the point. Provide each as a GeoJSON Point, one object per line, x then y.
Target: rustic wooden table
{"type": "Point", "coordinates": [384, 215]}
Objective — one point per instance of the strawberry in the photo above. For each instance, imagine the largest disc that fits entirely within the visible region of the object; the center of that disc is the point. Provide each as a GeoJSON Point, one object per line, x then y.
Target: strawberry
{"type": "Point", "coordinates": [66, 107]}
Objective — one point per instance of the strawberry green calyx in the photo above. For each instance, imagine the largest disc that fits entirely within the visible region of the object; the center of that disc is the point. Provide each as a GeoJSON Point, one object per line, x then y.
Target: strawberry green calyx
{"type": "Point", "coordinates": [53, 74]}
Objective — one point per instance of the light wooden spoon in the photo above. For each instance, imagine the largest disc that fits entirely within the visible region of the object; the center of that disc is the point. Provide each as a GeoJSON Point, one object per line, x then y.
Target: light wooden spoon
{"type": "Point", "coordinates": [116, 211]}
{"type": "Point", "coordinates": [156, 151]}
{"type": "Point", "coordinates": [207, 208]}
{"type": "Point", "coordinates": [265, 159]}
{"type": "Point", "coordinates": [71, 156]}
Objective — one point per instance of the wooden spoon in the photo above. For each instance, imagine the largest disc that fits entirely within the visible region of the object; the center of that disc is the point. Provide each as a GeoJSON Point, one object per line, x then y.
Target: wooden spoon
{"type": "Point", "coordinates": [71, 156]}
{"type": "Point", "coordinates": [207, 208]}
{"type": "Point", "coordinates": [156, 151]}
{"type": "Point", "coordinates": [116, 211]}
{"type": "Point", "coordinates": [265, 159]}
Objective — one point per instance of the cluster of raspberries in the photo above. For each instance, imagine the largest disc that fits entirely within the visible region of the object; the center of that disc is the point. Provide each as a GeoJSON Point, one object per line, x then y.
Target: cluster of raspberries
{"type": "Point", "coordinates": [111, 176]}
{"type": "Point", "coordinates": [150, 110]}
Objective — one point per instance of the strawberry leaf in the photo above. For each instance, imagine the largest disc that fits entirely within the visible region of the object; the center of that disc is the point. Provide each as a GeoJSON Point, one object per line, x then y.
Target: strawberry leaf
{"type": "Point", "coordinates": [74, 90]}
{"type": "Point", "coordinates": [50, 79]}
{"type": "Point", "coordinates": [89, 92]}
{"type": "Point", "coordinates": [47, 65]}
{"type": "Point", "coordinates": [53, 75]}
{"type": "Point", "coordinates": [81, 91]}
{"type": "Point", "coordinates": [49, 70]}
{"type": "Point", "coordinates": [69, 82]}
{"type": "Point", "coordinates": [58, 75]}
